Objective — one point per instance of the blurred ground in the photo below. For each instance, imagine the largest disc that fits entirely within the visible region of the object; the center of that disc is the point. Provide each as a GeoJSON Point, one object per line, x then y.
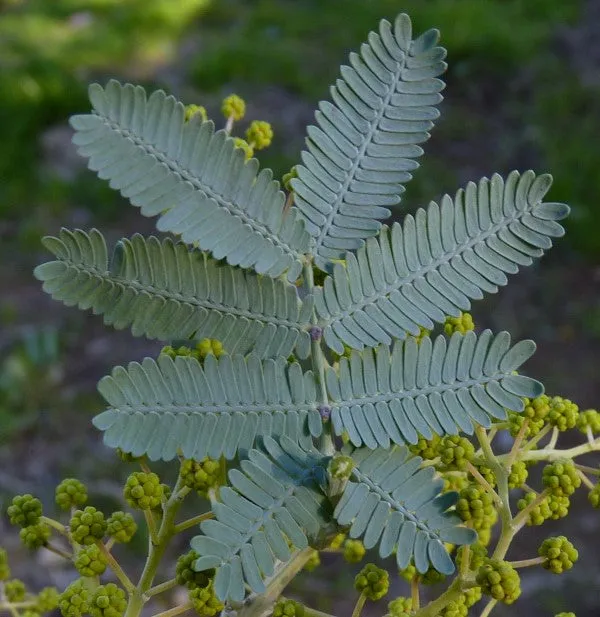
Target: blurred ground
{"type": "Point", "coordinates": [523, 92]}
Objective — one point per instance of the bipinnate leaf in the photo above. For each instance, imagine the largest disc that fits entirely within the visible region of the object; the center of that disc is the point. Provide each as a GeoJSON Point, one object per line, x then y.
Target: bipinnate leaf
{"type": "Point", "coordinates": [365, 146]}
{"type": "Point", "coordinates": [271, 508]}
{"type": "Point", "coordinates": [441, 386]}
{"type": "Point", "coordinates": [164, 407]}
{"type": "Point", "coordinates": [167, 290]}
{"type": "Point", "coordinates": [193, 178]}
{"type": "Point", "coordinates": [430, 266]}
{"type": "Point", "coordinates": [394, 504]}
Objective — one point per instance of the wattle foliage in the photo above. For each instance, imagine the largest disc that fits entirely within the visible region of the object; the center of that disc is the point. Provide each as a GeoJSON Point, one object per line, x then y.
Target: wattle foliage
{"type": "Point", "coordinates": [277, 417]}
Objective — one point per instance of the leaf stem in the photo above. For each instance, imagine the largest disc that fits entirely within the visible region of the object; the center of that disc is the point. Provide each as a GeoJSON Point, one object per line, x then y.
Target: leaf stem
{"type": "Point", "coordinates": [326, 442]}
{"type": "Point", "coordinates": [512, 455]}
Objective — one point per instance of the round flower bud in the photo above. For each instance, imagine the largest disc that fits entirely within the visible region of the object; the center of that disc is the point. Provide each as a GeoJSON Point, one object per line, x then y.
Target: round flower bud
{"type": "Point", "coordinates": [340, 467]}
{"type": "Point", "coordinates": [560, 554]}
{"type": "Point", "coordinates": [25, 510]}
{"type": "Point", "coordinates": [354, 551]}
{"type": "Point", "coordinates": [201, 476]}
{"type": "Point", "coordinates": [233, 107]}
{"type": "Point", "coordinates": [121, 526]}
{"type": "Point", "coordinates": [313, 561]}
{"type": "Point", "coordinates": [499, 580]}
{"type": "Point", "coordinates": [205, 602]}
{"type": "Point", "coordinates": [518, 475]}
{"type": "Point", "coordinates": [488, 475]}
{"type": "Point", "coordinates": [209, 346]}
{"type": "Point", "coordinates": [87, 525]}
{"type": "Point", "coordinates": [559, 506]}
{"type": "Point", "coordinates": [35, 536]}
{"type": "Point", "coordinates": [4, 568]}
{"type": "Point", "coordinates": [455, 451]}
{"type": "Point", "coordinates": [90, 561]}
{"type": "Point", "coordinates": [565, 615]}
{"type": "Point", "coordinates": [409, 572]}
{"type": "Point", "coordinates": [108, 601]}
{"type": "Point", "coordinates": [47, 599]}
{"type": "Point", "coordinates": [400, 607]}
{"type": "Point", "coordinates": [187, 576]}
{"type": "Point", "coordinates": [537, 515]}
{"type": "Point", "coordinates": [594, 496]}
{"type": "Point", "coordinates": [259, 134]}
{"type": "Point", "coordinates": [427, 449]}
{"type": "Point", "coordinates": [286, 181]}
{"type": "Point", "coordinates": [74, 600]}
{"type": "Point", "coordinates": [193, 110]}
{"type": "Point", "coordinates": [338, 541]}
{"type": "Point", "coordinates": [455, 481]}
{"type": "Point", "coordinates": [563, 413]}
{"type": "Point", "coordinates": [432, 577]}
{"type": "Point", "coordinates": [561, 477]}
{"type": "Point", "coordinates": [14, 590]}
{"type": "Point", "coordinates": [288, 608]}
{"type": "Point", "coordinates": [463, 324]}
{"type": "Point", "coordinates": [515, 422]}
{"type": "Point", "coordinates": [472, 596]}
{"type": "Point", "coordinates": [70, 493]}
{"type": "Point", "coordinates": [143, 491]}
{"type": "Point", "coordinates": [372, 581]}
{"type": "Point", "coordinates": [30, 613]}
{"type": "Point", "coordinates": [475, 505]}
{"type": "Point", "coordinates": [589, 418]}
{"type": "Point", "coordinates": [477, 556]}
{"type": "Point", "coordinates": [238, 142]}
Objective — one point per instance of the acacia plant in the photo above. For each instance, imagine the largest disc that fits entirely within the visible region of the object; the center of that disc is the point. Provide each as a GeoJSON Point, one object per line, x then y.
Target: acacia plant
{"type": "Point", "coordinates": [304, 360]}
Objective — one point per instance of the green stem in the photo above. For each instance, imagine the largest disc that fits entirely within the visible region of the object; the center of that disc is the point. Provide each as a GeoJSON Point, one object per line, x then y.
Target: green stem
{"type": "Point", "coordinates": [456, 588]}
{"type": "Point", "coordinates": [259, 605]}
{"type": "Point", "coordinates": [535, 440]}
{"type": "Point", "coordinates": [360, 603]}
{"type": "Point", "coordinates": [415, 596]}
{"type": "Point", "coordinates": [521, 518]}
{"type": "Point", "coordinates": [156, 550]}
{"type": "Point", "coordinates": [58, 551]}
{"type": "Point", "coordinates": [191, 522]}
{"type": "Point", "coordinates": [153, 591]}
{"type": "Point", "coordinates": [554, 455]}
{"type": "Point", "coordinates": [525, 563]}
{"type": "Point", "coordinates": [514, 451]}
{"type": "Point", "coordinates": [55, 525]}
{"type": "Point", "coordinates": [312, 612]}
{"type": "Point", "coordinates": [318, 361]}
{"type": "Point", "coordinates": [501, 474]}
{"type": "Point", "coordinates": [176, 610]}
{"type": "Point", "coordinates": [488, 608]}
{"type": "Point", "coordinates": [484, 483]}
{"type": "Point", "coordinates": [116, 568]}
{"type": "Point", "coordinates": [593, 470]}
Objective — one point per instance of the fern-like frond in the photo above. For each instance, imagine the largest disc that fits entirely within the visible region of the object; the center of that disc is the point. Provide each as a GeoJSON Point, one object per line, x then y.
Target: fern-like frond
{"type": "Point", "coordinates": [444, 386]}
{"type": "Point", "coordinates": [165, 290]}
{"type": "Point", "coordinates": [429, 267]}
{"type": "Point", "coordinates": [391, 502]}
{"type": "Point", "coordinates": [163, 407]}
{"type": "Point", "coordinates": [274, 499]}
{"type": "Point", "coordinates": [364, 149]}
{"type": "Point", "coordinates": [193, 177]}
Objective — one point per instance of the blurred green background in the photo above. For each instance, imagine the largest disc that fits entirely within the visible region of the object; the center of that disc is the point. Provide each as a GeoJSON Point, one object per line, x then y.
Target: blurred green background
{"type": "Point", "coordinates": [523, 92]}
